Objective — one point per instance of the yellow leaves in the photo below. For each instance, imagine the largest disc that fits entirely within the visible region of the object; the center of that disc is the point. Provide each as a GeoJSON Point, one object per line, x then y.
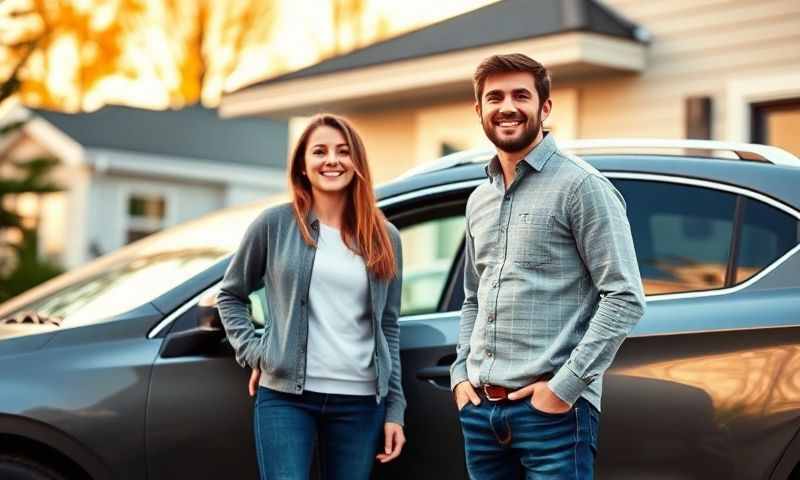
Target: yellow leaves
{"type": "Point", "coordinates": [162, 53]}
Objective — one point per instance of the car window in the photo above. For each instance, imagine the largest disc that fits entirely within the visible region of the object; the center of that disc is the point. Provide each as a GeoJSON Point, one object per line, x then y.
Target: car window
{"type": "Point", "coordinates": [682, 234]}
{"type": "Point", "coordinates": [258, 307]}
{"type": "Point", "coordinates": [766, 234]}
{"type": "Point", "coordinates": [139, 272]}
{"type": "Point", "coordinates": [429, 249]}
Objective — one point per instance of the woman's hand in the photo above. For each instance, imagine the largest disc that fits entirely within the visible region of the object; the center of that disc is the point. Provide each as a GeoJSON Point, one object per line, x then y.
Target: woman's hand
{"type": "Point", "coordinates": [252, 385]}
{"type": "Point", "coordinates": [394, 439]}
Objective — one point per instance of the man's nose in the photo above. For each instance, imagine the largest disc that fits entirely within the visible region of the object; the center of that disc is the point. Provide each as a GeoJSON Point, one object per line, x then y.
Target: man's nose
{"type": "Point", "coordinates": [507, 105]}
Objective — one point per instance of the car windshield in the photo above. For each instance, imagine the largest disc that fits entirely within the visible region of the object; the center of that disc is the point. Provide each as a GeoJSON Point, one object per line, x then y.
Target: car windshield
{"type": "Point", "coordinates": [135, 274]}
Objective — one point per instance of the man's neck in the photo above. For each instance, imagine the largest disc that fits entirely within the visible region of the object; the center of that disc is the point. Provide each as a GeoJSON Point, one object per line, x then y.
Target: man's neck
{"type": "Point", "coordinates": [509, 160]}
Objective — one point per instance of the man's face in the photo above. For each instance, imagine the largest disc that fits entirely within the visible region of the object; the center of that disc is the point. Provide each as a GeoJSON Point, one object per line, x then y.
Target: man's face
{"type": "Point", "coordinates": [510, 112]}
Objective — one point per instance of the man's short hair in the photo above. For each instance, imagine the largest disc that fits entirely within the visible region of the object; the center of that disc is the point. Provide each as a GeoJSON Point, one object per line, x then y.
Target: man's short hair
{"type": "Point", "coordinates": [513, 62]}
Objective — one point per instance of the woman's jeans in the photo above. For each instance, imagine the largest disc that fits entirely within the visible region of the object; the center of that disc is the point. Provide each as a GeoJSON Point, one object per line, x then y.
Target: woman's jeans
{"type": "Point", "coordinates": [502, 438]}
{"type": "Point", "coordinates": [345, 428]}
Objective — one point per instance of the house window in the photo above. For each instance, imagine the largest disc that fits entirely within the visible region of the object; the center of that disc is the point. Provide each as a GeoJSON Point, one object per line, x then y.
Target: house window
{"type": "Point", "coordinates": [777, 123]}
{"type": "Point", "coordinates": [447, 148]}
{"type": "Point", "coordinates": [146, 215]}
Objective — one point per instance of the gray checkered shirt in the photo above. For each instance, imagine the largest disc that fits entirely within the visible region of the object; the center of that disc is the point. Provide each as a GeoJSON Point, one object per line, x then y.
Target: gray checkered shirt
{"type": "Point", "coordinates": [551, 281]}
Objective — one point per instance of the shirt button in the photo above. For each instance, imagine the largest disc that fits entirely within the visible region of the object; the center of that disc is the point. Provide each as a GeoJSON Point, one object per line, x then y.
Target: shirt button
{"type": "Point", "coordinates": [507, 197]}
{"type": "Point", "coordinates": [491, 318]}
{"type": "Point", "coordinates": [298, 387]}
{"type": "Point", "coordinates": [494, 284]}
{"type": "Point", "coordinates": [489, 354]}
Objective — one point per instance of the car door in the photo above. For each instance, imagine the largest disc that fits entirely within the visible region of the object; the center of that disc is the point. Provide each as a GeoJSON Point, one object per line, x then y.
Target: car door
{"type": "Point", "coordinates": [199, 414]}
{"type": "Point", "coordinates": [699, 389]}
{"type": "Point", "coordinates": [432, 229]}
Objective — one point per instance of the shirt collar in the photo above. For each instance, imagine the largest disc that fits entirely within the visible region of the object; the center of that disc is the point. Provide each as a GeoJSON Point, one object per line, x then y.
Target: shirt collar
{"type": "Point", "coordinates": [312, 217]}
{"type": "Point", "coordinates": [536, 158]}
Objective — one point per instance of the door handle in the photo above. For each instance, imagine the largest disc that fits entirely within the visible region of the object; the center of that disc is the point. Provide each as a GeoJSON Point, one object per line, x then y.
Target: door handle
{"type": "Point", "coordinates": [438, 376]}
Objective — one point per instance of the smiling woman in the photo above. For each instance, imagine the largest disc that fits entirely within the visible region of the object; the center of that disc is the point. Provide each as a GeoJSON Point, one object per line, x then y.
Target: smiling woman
{"type": "Point", "coordinates": [332, 268]}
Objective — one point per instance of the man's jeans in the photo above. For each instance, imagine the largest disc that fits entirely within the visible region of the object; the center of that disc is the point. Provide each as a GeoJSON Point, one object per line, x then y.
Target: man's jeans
{"type": "Point", "coordinates": [501, 438]}
{"type": "Point", "coordinates": [347, 429]}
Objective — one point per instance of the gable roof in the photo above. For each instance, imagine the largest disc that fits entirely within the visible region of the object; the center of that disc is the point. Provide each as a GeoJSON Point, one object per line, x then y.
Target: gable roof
{"type": "Point", "coordinates": [195, 132]}
{"type": "Point", "coordinates": [497, 23]}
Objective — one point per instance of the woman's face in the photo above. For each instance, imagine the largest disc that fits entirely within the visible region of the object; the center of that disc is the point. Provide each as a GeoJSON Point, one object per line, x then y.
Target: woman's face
{"type": "Point", "coordinates": [329, 167]}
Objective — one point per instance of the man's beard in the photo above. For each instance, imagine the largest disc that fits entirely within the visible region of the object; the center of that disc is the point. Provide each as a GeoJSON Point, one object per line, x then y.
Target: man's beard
{"type": "Point", "coordinates": [531, 128]}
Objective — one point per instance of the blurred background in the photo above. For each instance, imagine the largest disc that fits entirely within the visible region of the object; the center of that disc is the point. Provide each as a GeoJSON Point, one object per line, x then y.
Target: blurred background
{"type": "Point", "coordinates": [121, 118]}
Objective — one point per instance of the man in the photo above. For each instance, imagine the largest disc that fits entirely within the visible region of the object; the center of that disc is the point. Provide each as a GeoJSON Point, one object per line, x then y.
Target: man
{"type": "Point", "coordinates": [551, 287]}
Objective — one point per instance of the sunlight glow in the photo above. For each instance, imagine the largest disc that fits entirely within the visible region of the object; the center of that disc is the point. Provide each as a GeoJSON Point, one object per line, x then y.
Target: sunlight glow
{"type": "Point", "coordinates": [170, 53]}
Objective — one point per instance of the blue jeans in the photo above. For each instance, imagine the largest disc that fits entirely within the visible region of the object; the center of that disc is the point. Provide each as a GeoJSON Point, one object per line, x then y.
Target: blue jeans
{"type": "Point", "coordinates": [345, 428]}
{"type": "Point", "coordinates": [501, 438]}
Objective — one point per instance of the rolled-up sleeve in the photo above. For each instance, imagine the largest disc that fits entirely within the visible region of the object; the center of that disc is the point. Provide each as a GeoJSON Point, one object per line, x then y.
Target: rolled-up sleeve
{"type": "Point", "coordinates": [245, 274]}
{"type": "Point", "coordinates": [604, 241]}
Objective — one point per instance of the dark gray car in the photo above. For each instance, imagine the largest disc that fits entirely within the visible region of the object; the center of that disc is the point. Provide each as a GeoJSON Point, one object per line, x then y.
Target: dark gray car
{"type": "Point", "coordinates": [121, 370]}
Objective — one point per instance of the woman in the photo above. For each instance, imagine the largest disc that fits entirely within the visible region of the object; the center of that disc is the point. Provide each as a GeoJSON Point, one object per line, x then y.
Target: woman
{"type": "Point", "coordinates": [328, 364]}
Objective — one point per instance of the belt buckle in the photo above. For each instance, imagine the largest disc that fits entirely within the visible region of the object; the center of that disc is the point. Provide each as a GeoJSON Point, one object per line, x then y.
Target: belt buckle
{"type": "Point", "coordinates": [489, 396]}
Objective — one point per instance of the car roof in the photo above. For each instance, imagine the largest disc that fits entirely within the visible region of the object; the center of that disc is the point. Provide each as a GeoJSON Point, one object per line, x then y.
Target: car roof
{"type": "Point", "coordinates": [776, 181]}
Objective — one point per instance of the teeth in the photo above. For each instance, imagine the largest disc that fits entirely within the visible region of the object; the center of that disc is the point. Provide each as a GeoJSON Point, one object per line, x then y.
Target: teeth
{"type": "Point", "coordinates": [331, 174]}
{"type": "Point", "coordinates": [509, 124]}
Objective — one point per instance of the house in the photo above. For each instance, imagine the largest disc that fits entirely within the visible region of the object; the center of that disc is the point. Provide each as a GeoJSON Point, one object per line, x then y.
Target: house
{"type": "Point", "coordinates": [130, 172]}
{"type": "Point", "coordinates": [718, 69]}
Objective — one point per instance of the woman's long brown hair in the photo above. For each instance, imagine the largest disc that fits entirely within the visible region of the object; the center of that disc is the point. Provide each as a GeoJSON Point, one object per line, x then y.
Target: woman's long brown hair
{"type": "Point", "coordinates": [363, 227]}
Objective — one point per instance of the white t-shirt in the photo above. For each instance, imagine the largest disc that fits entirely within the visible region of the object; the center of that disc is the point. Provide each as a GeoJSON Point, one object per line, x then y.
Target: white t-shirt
{"type": "Point", "coordinates": [341, 343]}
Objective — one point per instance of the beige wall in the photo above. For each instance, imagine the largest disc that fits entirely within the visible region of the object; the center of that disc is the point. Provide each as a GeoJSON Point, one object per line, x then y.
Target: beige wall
{"type": "Point", "coordinates": [699, 47]}
{"type": "Point", "coordinates": [389, 137]}
{"type": "Point", "coordinates": [735, 51]}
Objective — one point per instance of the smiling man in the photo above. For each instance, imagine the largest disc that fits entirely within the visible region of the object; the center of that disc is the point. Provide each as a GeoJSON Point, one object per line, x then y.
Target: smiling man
{"type": "Point", "coordinates": [551, 285]}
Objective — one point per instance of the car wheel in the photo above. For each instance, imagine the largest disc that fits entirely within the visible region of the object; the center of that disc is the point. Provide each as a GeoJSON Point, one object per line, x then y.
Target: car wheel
{"type": "Point", "coordinates": [17, 467]}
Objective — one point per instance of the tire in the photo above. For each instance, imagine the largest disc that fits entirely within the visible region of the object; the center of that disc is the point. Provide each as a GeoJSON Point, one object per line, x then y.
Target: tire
{"type": "Point", "coordinates": [18, 467]}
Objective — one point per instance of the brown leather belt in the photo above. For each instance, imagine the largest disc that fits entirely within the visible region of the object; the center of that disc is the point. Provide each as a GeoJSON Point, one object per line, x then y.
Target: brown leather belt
{"type": "Point", "coordinates": [494, 393]}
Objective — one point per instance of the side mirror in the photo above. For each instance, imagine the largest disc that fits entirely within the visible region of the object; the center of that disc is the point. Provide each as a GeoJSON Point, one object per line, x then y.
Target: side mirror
{"type": "Point", "coordinates": [202, 338]}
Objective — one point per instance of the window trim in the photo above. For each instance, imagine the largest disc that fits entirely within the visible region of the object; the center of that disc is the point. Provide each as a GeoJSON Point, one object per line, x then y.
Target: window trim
{"type": "Point", "coordinates": [612, 174]}
{"type": "Point", "coordinates": [456, 263]}
{"type": "Point", "coordinates": [615, 174]}
{"type": "Point", "coordinates": [759, 111]}
{"type": "Point", "coordinates": [712, 185]}
{"type": "Point", "coordinates": [126, 191]}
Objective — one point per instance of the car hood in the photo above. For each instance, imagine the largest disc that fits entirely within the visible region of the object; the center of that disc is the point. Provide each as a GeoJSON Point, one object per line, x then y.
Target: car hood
{"type": "Point", "coordinates": [16, 338]}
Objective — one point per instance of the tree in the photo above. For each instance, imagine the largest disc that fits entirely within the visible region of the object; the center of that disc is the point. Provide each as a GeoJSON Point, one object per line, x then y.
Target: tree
{"type": "Point", "coordinates": [20, 266]}
{"type": "Point", "coordinates": [85, 43]}
{"type": "Point", "coordinates": [68, 55]}
{"type": "Point", "coordinates": [348, 22]}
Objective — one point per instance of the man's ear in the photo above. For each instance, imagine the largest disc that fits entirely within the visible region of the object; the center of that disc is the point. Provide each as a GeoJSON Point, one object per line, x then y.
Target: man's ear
{"type": "Point", "coordinates": [547, 106]}
{"type": "Point", "coordinates": [478, 109]}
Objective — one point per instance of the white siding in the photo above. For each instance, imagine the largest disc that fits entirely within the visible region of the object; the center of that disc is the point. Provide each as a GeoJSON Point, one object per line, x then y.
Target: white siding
{"type": "Point", "coordinates": [108, 209]}
{"type": "Point", "coordinates": [698, 47]}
